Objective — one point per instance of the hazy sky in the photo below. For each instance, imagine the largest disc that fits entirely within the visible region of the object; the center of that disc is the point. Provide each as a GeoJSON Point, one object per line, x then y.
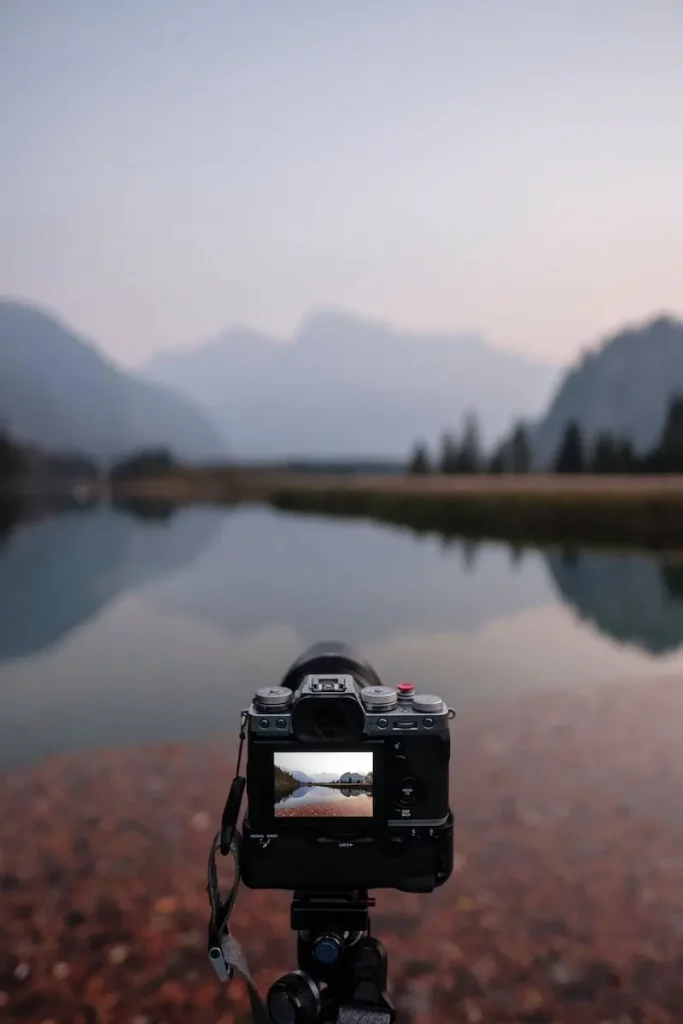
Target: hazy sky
{"type": "Point", "coordinates": [171, 167]}
{"type": "Point", "coordinates": [316, 762]}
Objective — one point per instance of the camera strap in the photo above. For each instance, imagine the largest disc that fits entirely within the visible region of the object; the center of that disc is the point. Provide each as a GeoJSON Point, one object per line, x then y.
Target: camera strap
{"type": "Point", "coordinates": [225, 952]}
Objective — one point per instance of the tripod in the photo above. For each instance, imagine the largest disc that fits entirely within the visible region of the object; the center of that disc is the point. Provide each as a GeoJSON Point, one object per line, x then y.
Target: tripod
{"type": "Point", "coordinates": [342, 973]}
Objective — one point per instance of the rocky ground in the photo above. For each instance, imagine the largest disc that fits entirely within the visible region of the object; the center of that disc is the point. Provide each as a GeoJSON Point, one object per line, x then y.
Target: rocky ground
{"type": "Point", "coordinates": [566, 904]}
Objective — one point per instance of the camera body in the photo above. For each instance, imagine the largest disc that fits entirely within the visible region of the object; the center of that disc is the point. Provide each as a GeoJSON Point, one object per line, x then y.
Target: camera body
{"type": "Point", "coordinates": [347, 781]}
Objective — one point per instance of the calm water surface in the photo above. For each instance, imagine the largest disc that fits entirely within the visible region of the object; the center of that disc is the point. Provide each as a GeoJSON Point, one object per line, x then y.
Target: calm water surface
{"type": "Point", "coordinates": [325, 801]}
{"type": "Point", "coordinates": [117, 630]}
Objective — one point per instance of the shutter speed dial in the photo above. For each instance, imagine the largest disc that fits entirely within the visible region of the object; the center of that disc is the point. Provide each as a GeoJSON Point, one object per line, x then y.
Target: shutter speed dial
{"type": "Point", "coordinates": [379, 698]}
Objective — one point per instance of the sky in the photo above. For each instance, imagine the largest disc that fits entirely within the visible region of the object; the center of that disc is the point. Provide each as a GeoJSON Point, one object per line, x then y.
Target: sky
{"type": "Point", "coordinates": [171, 168]}
{"type": "Point", "coordinates": [315, 762]}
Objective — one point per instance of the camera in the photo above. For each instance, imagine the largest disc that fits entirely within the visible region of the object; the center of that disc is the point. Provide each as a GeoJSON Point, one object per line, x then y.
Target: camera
{"type": "Point", "coordinates": [347, 781]}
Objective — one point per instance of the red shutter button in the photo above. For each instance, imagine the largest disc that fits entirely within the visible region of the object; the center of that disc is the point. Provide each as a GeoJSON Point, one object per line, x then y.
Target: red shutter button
{"type": "Point", "coordinates": [405, 689]}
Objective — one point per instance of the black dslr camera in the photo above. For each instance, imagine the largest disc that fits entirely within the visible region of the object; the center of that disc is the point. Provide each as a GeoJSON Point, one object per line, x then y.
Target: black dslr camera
{"type": "Point", "coordinates": [347, 781]}
{"type": "Point", "coordinates": [347, 790]}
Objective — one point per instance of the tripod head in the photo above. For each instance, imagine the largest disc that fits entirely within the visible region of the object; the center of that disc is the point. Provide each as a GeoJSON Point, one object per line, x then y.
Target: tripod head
{"type": "Point", "coordinates": [342, 972]}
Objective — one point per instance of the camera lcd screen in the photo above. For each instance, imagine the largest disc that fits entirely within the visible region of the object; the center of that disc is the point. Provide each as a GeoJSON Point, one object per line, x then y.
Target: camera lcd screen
{"type": "Point", "coordinates": [323, 784]}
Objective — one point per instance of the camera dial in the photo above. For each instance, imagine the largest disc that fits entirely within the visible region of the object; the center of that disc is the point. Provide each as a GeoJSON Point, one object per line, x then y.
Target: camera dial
{"type": "Point", "coordinates": [428, 704]}
{"type": "Point", "coordinates": [379, 698]}
{"type": "Point", "coordinates": [273, 697]}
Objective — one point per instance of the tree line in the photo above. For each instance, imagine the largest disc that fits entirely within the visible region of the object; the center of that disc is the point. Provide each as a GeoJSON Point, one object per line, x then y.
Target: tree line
{"type": "Point", "coordinates": [18, 462]}
{"type": "Point", "coordinates": [606, 453]}
{"type": "Point", "coordinates": [465, 454]}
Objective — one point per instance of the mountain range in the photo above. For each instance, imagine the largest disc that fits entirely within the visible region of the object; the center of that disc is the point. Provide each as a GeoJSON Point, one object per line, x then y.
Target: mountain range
{"type": "Point", "coordinates": [58, 391]}
{"type": "Point", "coordinates": [345, 386]}
{"type": "Point", "coordinates": [328, 777]}
{"type": "Point", "coordinates": [318, 777]}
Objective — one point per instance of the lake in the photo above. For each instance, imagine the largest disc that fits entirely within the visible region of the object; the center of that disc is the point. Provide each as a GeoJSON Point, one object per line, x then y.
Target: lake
{"type": "Point", "coordinates": [119, 630]}
{"type": "Point", "coordinates": [325, 802]}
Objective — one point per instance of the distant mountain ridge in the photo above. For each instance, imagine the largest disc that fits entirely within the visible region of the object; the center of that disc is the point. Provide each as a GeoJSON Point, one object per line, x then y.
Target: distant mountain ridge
{"type": "Point", "coordinates": [623, 386]}
{"type": "Point", "coordinates": [348, 387]}
{"type": "Point", "coordinates": [58, 391]}
{"type": "Point", "coordinates": [318, 777]}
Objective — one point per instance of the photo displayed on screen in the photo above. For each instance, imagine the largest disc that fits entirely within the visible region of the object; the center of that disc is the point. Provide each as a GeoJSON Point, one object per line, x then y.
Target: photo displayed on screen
{"type": "Point", "coordinates": [321, 784]}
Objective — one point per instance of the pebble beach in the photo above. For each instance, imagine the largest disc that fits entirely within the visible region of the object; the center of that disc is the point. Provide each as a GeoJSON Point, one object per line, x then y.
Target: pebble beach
{"type": "Point", "coordinates": [566, 903]}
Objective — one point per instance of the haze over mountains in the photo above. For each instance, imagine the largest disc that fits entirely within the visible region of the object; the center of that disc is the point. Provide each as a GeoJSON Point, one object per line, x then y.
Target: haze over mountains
{"type": "Point", "coordinates": [343, 387]}
{"type": "Point", "coordinates": [348, 386]}
{"type": "Point", "coordinates": [58, 391]}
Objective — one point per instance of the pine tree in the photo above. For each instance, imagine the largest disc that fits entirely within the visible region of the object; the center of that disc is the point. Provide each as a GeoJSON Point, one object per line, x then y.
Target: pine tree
{"type": "Point", "coordinates": [520, 450]}
{"type": "Point", "coordinates": [668, 455]}
{"type": "Point", "coordinates": [419, 461]}
{"type": "Point", "coordinates": [605, 454]}
{"type": "Point", "coordinates": [469, 456]}
{"type": "Point", "coordinates": [613, 455]}
{"type": "Point", "coordinates": [450, 453]}
{"type": "Point", "coordinates": [570, 455]}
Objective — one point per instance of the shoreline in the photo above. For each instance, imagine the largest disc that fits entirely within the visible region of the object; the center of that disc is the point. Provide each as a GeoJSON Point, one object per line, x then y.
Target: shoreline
{"type": "Point", "coordinates": [566, 902]}
{"type": "Point", "coordinates": [624, 513]}
{"type": "Point", "coordinates": [639, 511]}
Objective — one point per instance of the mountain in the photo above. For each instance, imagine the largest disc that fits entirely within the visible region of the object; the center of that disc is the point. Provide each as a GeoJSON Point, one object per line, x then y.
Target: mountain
{"type": "Point", "coordinates": [58, 391]}
{"type": "Point", "coordinates": [352, 777]}
{"type": "Point", "coordinates": [348, 387]}
{"type": "Point", "coordinates": [623, 386]}
{"type": "Point", "coordinates": [317, 777]}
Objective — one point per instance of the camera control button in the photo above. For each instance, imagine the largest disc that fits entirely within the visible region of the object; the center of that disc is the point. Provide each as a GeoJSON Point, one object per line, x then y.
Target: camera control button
{"type": "Point", "coordinates": [428, 723]}
{"type": "Point", "coordinates": [398, 845]}
{"type": "Point", "coordinates": [408, 790]}
{"type": "Point", "coordinates": [264, 723]}
{"type": "Point", "coordinates": [281, 723]}
{"type": "Point", "coordinates": [382, 723]}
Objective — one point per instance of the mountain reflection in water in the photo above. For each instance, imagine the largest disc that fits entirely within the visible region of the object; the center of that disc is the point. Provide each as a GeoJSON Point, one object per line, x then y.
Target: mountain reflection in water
{"type": "Point", "coordinates": [343, 800]}
{"type": "Point", "coordinates": [58, 573]}
{"type": "Point", "coordinates": [146, 624]}
{"type": "Point", "coordinates": [632, 598]}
